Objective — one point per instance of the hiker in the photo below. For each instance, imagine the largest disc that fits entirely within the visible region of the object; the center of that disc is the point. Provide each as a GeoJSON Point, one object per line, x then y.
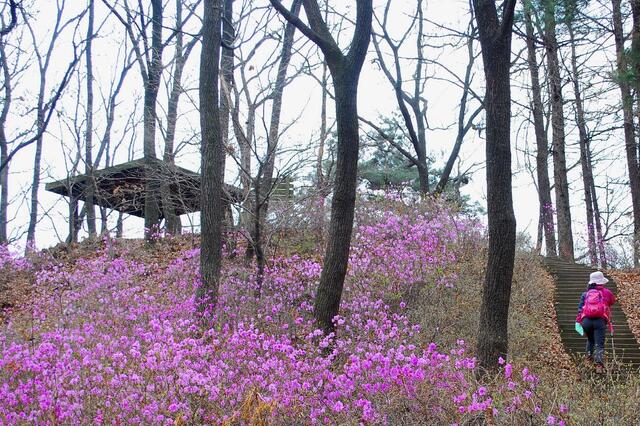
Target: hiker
{"type": "Point", "coordinates": [594, 313]}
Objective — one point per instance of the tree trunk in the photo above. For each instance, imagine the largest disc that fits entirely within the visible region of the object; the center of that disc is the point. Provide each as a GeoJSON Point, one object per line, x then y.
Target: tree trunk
{"type": "Point", "coordinates": [226, 78]}
{"type": "Point", "coordinates": [152, 182]}
{"type": "Point", "coordinates": [169, 201]}
{"type": "Point", "coordinates": [320, 183]}
{"type": "Point", "coordinates": [4, 187]}
{"type": "Point", "coordinates": [495, 40]}
{"type": "Point", "coordinates": [423, 175]}
{"type": "Point", "coordinates": [119, 225]}
{"type": "Point", "coordinates": [226, 68]}
{"type": "Point", "coordinates": [561, 183]}
{"type": "Point", "coordinates": [416, 133]}
{"type": "Point", "coordinates": [88, 161]}
{"type": "Point", "coordinates": [73, 221]}
{"type": "Point", "coordinates": [213, 158]}
{"type": "Point", "coordinates": [336, 256]}
{"type": "Point", "coordinates": [596, 213]}
{"type": "Point", "coordinates": [323, 131]}
{"type": "Point", "coordinates": [633, 162]}
{"type": "Point", "coordinates": [542, 144]}
{"type": "Point", "coordinates": [264, 181]}
{"type": "Point", "coordinates": [37, 160]}
{"type": "Point", "coordinates": [244, 143]}
{"type": "Point", "coordinates": [4, 149]}
{"type": "Point", "coordinates": [585, 158]}
{"type": "Point", "coordinates": [635, 57]}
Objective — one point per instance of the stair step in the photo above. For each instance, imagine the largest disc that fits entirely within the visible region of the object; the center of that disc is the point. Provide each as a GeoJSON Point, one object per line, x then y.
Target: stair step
{"type": "Point", "coordinates": [571, 280]}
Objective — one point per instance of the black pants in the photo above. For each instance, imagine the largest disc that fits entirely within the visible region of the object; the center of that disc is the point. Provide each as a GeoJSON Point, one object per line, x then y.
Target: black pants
{"type": "Point", "coordinates": [595, 329]}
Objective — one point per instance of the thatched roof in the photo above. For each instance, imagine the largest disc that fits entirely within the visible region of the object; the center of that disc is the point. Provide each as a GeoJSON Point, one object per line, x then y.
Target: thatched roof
{"type": "Point", "coordinates": [121, 187]}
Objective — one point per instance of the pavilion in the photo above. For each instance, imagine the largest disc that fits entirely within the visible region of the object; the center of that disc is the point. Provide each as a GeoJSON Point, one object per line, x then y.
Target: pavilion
{"type": "Point", "coordinates": [122, 187]}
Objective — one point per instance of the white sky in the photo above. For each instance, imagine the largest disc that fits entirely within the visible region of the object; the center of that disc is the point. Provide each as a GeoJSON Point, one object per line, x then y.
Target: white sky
{"type": "Point", "coordinates": [302, 104]}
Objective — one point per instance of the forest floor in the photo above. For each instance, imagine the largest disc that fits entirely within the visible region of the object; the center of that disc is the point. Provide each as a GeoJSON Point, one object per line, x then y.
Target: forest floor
{"type": "Point", "coordinates": [629, 296]}
{"type": "Point", "coordinates": [105, 330]}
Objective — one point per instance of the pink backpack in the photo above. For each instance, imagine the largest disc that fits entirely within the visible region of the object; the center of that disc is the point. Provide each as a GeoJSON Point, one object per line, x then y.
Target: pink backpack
{"type": "Point", "coordinates": [594, 305]}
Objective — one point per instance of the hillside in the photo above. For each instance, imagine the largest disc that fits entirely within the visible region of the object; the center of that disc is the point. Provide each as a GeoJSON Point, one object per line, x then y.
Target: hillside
{"type": "Point", "coordinates": [107, 332]}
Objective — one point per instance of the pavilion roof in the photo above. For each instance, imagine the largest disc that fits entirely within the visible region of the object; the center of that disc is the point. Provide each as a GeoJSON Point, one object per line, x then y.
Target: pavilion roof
{"type": "Point", "coordinates": [121, 187]}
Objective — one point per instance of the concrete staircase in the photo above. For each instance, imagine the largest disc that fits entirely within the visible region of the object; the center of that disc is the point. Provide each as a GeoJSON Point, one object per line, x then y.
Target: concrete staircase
{"type": "Point", "coordinates": [571, 281]}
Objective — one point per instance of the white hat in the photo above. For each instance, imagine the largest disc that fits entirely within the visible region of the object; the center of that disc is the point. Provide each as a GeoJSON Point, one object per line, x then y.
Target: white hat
{"type": "Point", "coordinates": [597, 278]}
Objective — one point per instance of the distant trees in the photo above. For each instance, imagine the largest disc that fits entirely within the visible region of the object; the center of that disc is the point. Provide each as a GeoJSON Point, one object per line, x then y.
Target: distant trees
{"type": "Point", "coordinates": [577, 31]}
{"type": "Point", "coordinates": [561, 183]}
{"type": "Point", "coordinates": [495, 41]}
{"type": "Point", "coordinates": [594, 228]}
{"type": "Point", "coordinates": [44, 107]}
{"type": "Point", "coordinates": [181, 54]}
{"type": "Point", "coordinates": [411, 102]}
{"type": "Point", "coordinates": [624, 68]}
{"type": "Point", "coordinates": [255, 85]}
{"type": "Point", "coordinates": [409, 89]}
{"type": "Point", "coordinates": [542, 143]}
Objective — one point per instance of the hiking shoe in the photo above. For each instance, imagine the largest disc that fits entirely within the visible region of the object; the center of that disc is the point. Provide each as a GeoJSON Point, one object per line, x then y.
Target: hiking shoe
{"type": "Point", "coordinates": [600, 369]}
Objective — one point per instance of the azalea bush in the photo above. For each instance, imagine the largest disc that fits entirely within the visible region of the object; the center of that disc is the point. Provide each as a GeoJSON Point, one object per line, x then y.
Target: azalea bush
{"type": "Point", "coordinates": [10, 261]}
{"type": "Point", "coordinates": [119, 339]}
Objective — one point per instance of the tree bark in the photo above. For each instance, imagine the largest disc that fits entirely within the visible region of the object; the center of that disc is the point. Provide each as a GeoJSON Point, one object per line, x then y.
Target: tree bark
{"type": "Point", "coordinates": [226, 67]}
{"type": "Point", "coordinates": [213, 158]}
{"type": "Point", "coordinates": [495, 40]}
{"type": "Point", "coordinates": [561, 183]}
{"type": "Point", "coordinates": [226, 78]}
{"type": "Point", "coordinates": [542, 143]}
{"type": "Point", "coordinates": [635, 57]}
{"type": "Point", "coordinates": [336, 256]}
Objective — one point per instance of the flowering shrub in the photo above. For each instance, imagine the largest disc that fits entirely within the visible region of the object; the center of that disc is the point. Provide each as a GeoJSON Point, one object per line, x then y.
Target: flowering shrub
{"type": "Point", "coordinates": [122, 343]}
{"type": "Point", "coordinates": [10, 261]}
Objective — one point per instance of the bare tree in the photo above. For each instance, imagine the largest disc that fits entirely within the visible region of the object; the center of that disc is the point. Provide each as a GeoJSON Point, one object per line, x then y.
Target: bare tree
{"type": "Point", "coordinates": [495, 41]}
{"type": "Point", "coordinates": [13, 20]}
{"type": "Point", "coordinates": [213, 157]}
{"type": "Point", "coordinates": [91, 212]}
{"type": "Point", "coordinates": [585, 156]}
{"type": "Point", "coordinates": [561, 183]}
{"type": "Point", "coordinates": [251, 93]}
{"type": "Point", "coordinates": [465, 122]}
{"type": "Point", "coordinates": [44, 110]}
{"type": "Point", "coordinates": [629, 128]}
{"type": "Point", "coordinates": [345, 70]}
{"type": "Point", "coordinates": [149, 58]}
{"type": "Point", "coordinates": [180, 57]}
{"type": "Point", "coordinates": [8, 76]}
{"type": "Point", "coordinates": [542, 143]}
{"type": "Point", "coordinates": [414, 121]}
